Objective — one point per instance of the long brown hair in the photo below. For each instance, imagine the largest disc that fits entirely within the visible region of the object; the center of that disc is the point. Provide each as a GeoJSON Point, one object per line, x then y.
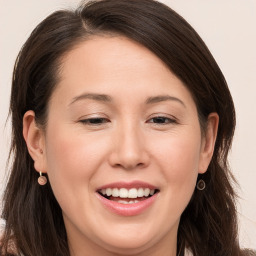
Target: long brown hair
{"type": "Point", "coordinates": [34, 222]}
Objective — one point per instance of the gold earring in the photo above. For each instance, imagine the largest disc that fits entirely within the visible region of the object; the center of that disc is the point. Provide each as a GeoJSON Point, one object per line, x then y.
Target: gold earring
{"type": "Point", "coordinates": [200, 185]}
{"type": "Point", "coordinates": [42, 180]}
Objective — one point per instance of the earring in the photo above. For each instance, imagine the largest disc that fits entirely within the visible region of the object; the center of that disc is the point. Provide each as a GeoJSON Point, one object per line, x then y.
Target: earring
{"type": "Point", "coordinates": [42, 180]}
{"type": "Point", "coordinates": [200, 185]}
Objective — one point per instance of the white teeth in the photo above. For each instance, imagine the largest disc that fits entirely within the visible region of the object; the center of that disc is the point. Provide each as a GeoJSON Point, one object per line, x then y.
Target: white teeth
{"type": "Point", "coordinates": [133, 193]}
{"type": "Point", "coordinates": [115, 192]}
{"type": "Point", "coordinates": [122, 202]}
{"type": "Point", "coordinates": [146, 192]}
{"type": "Point", "coordinates": [108, 191]}
{"type": "Point", "coordinates": [123, 193]}
{"type": "Point", "coordinates": [140, 192]}
{"type": "Point", "coordinates": [127, 193]}
{"type": "Point", "coordinates": [126, 202]}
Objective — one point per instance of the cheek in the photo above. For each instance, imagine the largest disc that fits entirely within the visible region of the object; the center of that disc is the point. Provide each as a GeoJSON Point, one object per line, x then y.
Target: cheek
{"type": "Point", "coordinates": [71, 161]}
{"type": "Point", "coordinates": [179, 159]}
{"type": "Point", "coordinates": [179, 153]}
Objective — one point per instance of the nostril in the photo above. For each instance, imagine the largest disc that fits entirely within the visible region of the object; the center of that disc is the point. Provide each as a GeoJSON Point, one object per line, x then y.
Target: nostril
{"type": "Point", "coordinates": [128, 166]}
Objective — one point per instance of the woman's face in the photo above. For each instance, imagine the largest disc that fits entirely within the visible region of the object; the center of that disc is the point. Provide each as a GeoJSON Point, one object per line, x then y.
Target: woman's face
{"type": "Point", "coordinates": [120, 126]}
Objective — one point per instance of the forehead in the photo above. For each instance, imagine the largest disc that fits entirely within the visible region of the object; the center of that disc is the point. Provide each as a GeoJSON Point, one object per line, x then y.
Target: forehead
{"type": "Point", "coordinates": [115, 52]}
{"type": "Point", "coordinates": [115, 65]}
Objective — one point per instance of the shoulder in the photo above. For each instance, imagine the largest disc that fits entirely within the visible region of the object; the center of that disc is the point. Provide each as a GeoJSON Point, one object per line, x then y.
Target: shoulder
{"type": "Point", "coordinates": [11, 250]}
{"type": "Point", "coordinates": [188, 253]}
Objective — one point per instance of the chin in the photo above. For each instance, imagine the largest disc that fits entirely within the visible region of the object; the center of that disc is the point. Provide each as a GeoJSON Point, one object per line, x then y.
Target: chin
{"type": "Point", "coordinates": [129, 245]}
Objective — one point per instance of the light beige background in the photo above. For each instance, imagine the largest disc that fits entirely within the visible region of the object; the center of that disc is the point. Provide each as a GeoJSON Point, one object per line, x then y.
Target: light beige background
{"type": "Point", "coordinates": [229, 29]}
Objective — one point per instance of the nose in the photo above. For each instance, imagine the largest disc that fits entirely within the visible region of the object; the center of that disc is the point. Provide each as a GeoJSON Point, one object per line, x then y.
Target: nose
{"type": "Point", "coordinates": [129, 149]}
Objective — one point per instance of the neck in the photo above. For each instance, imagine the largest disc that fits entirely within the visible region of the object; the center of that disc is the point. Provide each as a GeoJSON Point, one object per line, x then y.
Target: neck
{"type": "Point", "coordinates": [165, 247]}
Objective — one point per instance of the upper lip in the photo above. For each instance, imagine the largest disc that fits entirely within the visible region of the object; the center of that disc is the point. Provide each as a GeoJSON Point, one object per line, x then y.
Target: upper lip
{"type": "Point", "coordinates": [123, 184]}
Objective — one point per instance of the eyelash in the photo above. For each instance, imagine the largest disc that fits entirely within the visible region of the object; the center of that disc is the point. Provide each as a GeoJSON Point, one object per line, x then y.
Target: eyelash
{"type": "Point", "coordinates": [163, 120]}
{"type": "Point", "coordinates": [96, 121]}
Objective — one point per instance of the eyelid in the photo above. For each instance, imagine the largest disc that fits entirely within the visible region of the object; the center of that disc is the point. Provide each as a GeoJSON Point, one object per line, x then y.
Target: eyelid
{"type": "Point", "coordinates": [172, 119]}
{"type": "Point", "coordinates": [102, 119]}
{"type": "Point", "coordinates": [86, 119]}
{"type": "Point", "coordinates": [93, 115]}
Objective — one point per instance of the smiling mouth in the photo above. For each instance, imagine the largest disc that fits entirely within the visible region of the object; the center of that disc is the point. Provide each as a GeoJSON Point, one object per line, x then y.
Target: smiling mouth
{"type": "Point", "coordinates": [127, 196]}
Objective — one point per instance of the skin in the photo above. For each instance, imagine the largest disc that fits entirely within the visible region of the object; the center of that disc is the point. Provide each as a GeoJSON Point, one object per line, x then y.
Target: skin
{"type": "Point", "coordinates": [128, 143]}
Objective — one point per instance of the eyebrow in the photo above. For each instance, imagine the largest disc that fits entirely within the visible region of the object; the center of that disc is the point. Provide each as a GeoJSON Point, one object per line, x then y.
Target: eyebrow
{"type": "Point", "coordinates": [161, 98]}
{"type": "Point", "coordinates": [107, 98]}
{"type": "Point", "coordinates": [92, 96]}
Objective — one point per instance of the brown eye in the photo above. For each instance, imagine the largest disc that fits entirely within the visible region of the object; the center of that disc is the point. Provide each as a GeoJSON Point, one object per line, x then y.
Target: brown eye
{"type": "Point", "coordinates": [161, 120]}
{"type": "Point", "coordinates": [94, 121]}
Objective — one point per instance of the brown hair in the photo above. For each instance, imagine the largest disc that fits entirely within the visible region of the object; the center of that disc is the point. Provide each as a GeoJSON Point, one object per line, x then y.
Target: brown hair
{"type": "Point", "coordinates": [34, 222]}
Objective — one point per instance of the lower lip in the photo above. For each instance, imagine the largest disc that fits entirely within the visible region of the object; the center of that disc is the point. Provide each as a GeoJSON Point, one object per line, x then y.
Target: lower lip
{"type": "Point", "coordinates": [127, 209]}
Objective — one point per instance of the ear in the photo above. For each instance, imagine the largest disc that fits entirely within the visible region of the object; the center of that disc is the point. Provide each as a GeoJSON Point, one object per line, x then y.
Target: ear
{"type": "Point", "coordinates": [35, 140]}
{"type": "Point", "coordinates": [208, 142]}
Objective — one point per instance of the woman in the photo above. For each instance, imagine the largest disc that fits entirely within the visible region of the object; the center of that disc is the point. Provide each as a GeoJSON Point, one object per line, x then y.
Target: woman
{"type": "Point", "coordinates": [127, 122]}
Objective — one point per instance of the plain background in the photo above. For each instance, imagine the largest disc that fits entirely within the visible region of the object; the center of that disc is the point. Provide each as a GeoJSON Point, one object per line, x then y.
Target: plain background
{"type": "Point", "coordinates": [228, 27]}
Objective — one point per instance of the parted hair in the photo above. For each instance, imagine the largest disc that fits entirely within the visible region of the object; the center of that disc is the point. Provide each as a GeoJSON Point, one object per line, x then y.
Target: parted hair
{"type": "Point", "coordinates": [34, 222]}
